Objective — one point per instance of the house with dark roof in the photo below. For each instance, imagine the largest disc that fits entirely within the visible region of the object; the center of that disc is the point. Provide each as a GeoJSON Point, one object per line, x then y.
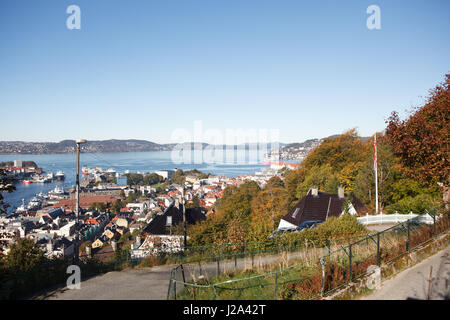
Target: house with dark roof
{"type": "Point", "coordinates": [161, 223]}
{"type": "Point", "coordinates": [158, 232]}
{"type": "Point", "coordinates": [318, 205]}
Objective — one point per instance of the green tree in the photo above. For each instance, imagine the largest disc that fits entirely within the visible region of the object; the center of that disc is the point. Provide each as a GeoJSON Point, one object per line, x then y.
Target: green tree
{"type": "Point", "coordinates": [275, 182]}
{"type": "Point", "coordinates": [98, 206]}
{"type": "Point", "coordinates": [24, 254]}
{"type": "Point", "coordinates": [151, 179]}
{"type": "Point", "coordinates": [316, 177]}
{"type": "Point", "coordinates": [132, 197]}
{"type": "Point", "coordinates": [134, 179]}
{"type": "Point", "coordinates": [177, 177]}
{"type": "Point", "coordinates": [292, 179]}
{"type": "Point", "coordinates": [194, 204]}
{"type": "Point", "coordinates": [116, 206]}
{"type": "Point", "coordinates": [6, 185]}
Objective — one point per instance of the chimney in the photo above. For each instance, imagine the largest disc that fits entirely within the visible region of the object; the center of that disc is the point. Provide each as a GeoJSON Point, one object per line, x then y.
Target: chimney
{"type": "Point", "coordinates": [341, 192]}
{"type": "Point", "coordinates": [50, 247]}
{"type": "Point", "coordinates": [89, 250]}
{"type": "Point", "coordinates": [114, 245]}
{"type": "Point", "coordinates": [138, 241]}
{"type": "Point", "coordinates": [315, 191]}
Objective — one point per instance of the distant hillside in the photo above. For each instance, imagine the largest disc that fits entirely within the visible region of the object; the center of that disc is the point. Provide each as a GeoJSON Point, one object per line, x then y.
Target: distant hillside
{"type": "Point", "coordinates": [113, 145]}
{"type": "Point", "coordinates": [93, 146]}
{"type": "Point", "coordinates": [68, 146]}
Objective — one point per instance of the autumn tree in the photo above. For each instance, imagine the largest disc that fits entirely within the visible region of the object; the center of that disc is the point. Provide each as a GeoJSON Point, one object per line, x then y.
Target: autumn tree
{"type": "Point", "coordinates": [275, 181]}
{"type": "Point", "coordinates": [268, 207]}
{"type": "Point", "coordinates": [422, 140]}
{"type": "Point", "coordinates": [234, 208]}
{"type": "Point", "coordinates": [337, 161]}
{"type": "Point", "coordinates": [339, 152]}
{"type": "Point", "coordinates": [292, 178]}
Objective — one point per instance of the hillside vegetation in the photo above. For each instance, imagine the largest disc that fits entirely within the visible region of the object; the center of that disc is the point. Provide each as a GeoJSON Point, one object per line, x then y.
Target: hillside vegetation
{"type": "Point", "coordinates": [412, 158]}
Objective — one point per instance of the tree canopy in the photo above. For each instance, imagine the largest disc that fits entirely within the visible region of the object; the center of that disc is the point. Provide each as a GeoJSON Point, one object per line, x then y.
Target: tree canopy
{"type": "Point", "coordinates": [423, 140]}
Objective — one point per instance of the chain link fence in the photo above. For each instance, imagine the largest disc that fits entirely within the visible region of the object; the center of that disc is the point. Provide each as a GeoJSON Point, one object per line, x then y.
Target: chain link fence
{"type": "Point", "coordinates": [303, 273]}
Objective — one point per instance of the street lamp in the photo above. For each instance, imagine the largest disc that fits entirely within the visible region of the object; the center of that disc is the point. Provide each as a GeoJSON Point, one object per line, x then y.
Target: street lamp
{"type": "Point", "coordinates": [77, 203]}
{"type": "Point", "coordinates": [183, 200]}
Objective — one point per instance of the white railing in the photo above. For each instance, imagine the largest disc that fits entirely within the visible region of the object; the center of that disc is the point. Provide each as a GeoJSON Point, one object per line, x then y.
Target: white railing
{"type": "Point", "coordinates": [395, 218]}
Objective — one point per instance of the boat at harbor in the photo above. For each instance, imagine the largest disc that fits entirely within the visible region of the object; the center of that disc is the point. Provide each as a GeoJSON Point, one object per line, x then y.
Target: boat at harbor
{"type": "Point", "coordinates": [85, 171]}
{"type": "Point", "coordinates": [34, 204]}
{"type": "Point", "coordinates": [60, 175]}
{"type": "Point", "coordinates": [42, 179]}
{"type": "Point", "coordinates": [58, 192]}
{"type": "Point", "coordinates": [22, 208]}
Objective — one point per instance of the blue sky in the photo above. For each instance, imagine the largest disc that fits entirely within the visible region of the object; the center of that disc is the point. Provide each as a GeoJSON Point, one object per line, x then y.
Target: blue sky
{"type": "Point", "coordinates": [142, 69]}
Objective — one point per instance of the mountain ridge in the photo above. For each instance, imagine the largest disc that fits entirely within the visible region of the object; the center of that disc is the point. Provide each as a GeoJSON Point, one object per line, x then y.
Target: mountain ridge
{"type": "Point", "coordinates": [110, 145]}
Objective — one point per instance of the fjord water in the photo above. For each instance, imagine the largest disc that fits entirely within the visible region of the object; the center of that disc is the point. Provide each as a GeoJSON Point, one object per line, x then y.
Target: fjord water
{"type": "Point", "coordinates": [243, 162]}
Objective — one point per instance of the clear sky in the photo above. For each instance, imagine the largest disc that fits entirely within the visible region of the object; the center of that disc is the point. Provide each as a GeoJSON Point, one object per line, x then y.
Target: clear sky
{"type": "Point", "coordinates": [142, 69]}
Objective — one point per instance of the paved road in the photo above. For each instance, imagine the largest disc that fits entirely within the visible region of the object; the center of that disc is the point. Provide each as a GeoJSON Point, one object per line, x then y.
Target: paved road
{"type": "Point", "coordinates": [413, 283]}
{"type": "Point", "coordinates": [380, 227]}
{"type": "Point", "coordinates": [146, 284]}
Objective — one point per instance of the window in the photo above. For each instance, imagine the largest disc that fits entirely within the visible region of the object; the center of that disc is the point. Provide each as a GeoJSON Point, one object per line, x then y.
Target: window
{"type": "Point", "coordinates": [294, 214]}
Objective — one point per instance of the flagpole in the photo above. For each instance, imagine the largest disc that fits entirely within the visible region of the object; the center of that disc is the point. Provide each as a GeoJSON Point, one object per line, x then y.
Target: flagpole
{"type": "Point", "coordinates": [376, 172]}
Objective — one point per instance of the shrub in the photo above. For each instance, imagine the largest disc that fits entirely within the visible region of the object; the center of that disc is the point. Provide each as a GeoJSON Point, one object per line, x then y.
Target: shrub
{"type": "Point", "coordinates": [417, 204]}
{"type": "Point", "coordinates": [345, 226]}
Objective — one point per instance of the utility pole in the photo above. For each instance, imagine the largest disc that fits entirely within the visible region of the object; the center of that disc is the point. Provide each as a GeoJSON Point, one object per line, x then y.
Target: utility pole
{"type": "Point", "coordinates": [182, 203]}
{"type": "Point", "coordinates": [184, 214]}
{"type": "Point", "coordinates": [77, 203]}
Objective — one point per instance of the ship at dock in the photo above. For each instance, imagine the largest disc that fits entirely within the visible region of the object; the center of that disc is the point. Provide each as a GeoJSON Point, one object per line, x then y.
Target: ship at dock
{"type": "Point", "coordinates": [60, 176]}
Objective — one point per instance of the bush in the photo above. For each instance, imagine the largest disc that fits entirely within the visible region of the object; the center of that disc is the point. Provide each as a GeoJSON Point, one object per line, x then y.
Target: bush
{"type": "Point", "coordinates": [346, 226]}
{"type": "Point", "coordinates": [417, 204]}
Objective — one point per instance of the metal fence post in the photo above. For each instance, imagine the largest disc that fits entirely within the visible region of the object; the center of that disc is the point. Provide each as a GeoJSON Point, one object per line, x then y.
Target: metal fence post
{"type": "Point", "coordinates": [350, 262]}
{"type": "Point", "coordinates": [276, 285]}
{"type": "Point", "coordinates": [170, 285]}
{"type": "Point", "coordinates": [174, 290]}
{"type": "Point", "coordinates": [182, 273]}
{"type": "Point", "coordinates": [434, 224]}
{"type": "Point", "coordinates": [408, 243]}
{"type": "Point", "coordinates": [218, 267]}
{"type": "Point", "coordinates": [378, 250]}
{"type": "Point", "coordinates": [322, 264]}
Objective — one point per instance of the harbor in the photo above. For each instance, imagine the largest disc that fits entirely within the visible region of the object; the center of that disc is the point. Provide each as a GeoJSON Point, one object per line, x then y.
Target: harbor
{"type": "Point", "coordinates": [120, 163]}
